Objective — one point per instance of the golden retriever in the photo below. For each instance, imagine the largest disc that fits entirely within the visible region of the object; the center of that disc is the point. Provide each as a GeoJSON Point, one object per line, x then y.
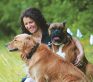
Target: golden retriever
{"type": "Point", "coordinates": [64, 44]}
{"type": "Point", "coordinates": [44, 65]}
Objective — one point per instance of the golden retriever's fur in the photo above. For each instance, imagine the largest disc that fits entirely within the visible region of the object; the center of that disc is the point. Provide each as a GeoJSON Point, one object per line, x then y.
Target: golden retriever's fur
{"type": "Point", "coordinates": [69, 48]}
{"type": "Point", "coordinates": [44, 65]}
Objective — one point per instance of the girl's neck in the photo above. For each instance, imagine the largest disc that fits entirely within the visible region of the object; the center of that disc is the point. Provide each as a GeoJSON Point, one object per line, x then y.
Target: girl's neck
{"type": "Point", "coordinates": [38, 35]}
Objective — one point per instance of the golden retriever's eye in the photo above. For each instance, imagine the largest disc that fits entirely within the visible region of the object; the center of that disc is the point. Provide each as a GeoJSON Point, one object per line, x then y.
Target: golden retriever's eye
{"type": "Point", "coordinates": [15, 40]}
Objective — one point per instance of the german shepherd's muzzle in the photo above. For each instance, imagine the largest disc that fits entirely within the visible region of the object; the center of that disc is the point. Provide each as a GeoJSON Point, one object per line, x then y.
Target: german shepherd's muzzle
{"type": "Point", "coordinates": [57, 33]}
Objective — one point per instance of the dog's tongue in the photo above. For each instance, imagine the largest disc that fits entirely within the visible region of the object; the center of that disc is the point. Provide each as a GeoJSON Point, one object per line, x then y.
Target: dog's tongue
{"type": "Point", "coordinates": [56, 38]}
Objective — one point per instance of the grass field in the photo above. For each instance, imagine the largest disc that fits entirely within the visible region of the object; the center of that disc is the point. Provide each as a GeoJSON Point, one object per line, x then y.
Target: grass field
{"type": "Point", "coordinates": [12, 67]}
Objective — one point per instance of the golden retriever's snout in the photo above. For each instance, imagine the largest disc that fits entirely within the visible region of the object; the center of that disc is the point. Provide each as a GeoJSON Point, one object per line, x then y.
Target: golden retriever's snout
{"type": "Point", "coordinates": [18, 43]}
{"type": "Point", "coordinates": [10, 47]}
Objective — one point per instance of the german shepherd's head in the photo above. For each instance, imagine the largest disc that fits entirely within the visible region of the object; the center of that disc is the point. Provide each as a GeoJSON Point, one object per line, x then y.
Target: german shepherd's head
{"type": "Point", "coordinates": [57, 31]}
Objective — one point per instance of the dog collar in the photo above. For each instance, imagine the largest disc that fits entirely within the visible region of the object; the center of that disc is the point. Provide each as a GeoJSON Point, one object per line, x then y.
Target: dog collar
{"type": "Point", "coordinates": [32, 51]}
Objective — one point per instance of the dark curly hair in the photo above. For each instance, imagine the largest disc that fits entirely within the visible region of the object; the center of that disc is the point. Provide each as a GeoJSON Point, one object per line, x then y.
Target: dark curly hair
{"type": "Point", "coordinates": [37, 16]}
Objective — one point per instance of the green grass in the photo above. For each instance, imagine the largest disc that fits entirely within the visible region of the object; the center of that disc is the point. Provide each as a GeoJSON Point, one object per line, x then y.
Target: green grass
{"type": "Point", "coordinates": [88, 49]}
{"type": "Point", "coordinates": [12, 67]}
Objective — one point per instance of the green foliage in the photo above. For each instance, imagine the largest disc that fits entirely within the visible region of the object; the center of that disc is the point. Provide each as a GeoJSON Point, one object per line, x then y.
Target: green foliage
{"type": "Point", "coordinates": [77, 14]}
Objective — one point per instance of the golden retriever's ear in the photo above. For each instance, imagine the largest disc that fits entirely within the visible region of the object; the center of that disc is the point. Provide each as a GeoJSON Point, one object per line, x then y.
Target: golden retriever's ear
{"type": "Point", "coordinates": [29, 37]}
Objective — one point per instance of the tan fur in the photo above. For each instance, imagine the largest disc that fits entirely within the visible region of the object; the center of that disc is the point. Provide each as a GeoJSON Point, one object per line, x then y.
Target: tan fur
{"type": "Point", "coordinates": [44, 65]}
{"type": "Point", "coordinates": [72, 51]}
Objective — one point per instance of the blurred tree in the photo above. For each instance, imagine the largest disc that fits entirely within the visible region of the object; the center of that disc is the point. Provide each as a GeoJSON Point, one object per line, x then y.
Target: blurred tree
{"type": "Point", "coordinates": [78, 14]}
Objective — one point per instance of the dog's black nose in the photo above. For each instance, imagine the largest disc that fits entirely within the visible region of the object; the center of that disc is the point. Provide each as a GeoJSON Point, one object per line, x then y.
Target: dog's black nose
{"type": "Point", "coordinates": [57, 32]}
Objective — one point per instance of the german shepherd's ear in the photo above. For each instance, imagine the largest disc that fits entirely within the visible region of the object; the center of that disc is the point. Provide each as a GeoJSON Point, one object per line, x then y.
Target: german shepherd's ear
{"type": "Point", "coordinates": [64, 23]}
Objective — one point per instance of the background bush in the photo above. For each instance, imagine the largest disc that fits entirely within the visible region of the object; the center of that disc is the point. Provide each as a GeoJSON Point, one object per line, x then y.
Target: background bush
{"type": "Point", "coordinates": [77, 14]}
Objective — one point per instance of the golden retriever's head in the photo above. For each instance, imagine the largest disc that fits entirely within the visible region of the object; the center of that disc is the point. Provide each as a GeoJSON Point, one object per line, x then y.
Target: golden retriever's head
{"type": "Point", "coordinates": [24, 43]}
{"type": "Point", "coordinates": [57, 31]}
{"type": "Point", "coordinates": [21, 42]}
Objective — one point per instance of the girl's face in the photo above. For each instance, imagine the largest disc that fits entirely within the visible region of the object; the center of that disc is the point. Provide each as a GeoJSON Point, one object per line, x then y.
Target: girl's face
{"type": "Point", "coordinates": [30, 24]}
